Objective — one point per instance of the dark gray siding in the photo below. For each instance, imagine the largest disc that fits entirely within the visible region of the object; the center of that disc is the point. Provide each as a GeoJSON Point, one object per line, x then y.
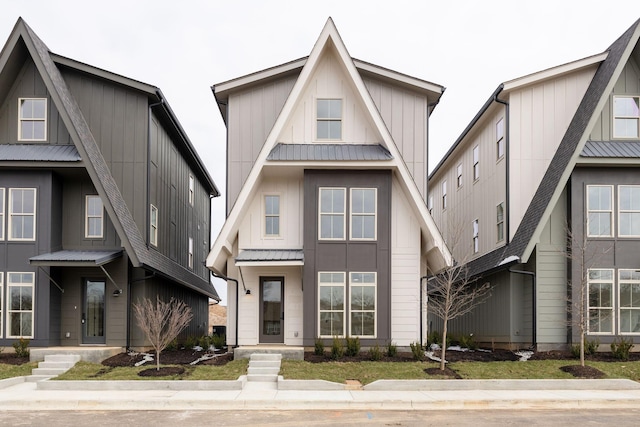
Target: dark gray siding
{"type": "Point", "coordinates": [347, 255]}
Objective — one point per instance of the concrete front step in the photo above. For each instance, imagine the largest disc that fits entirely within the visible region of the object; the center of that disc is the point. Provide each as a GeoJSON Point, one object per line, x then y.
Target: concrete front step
{"type": "Point", "coordinates": [265, 357]}
{"type": "Point", "coordinates": [262, 378]}
{"type": "Point", "coordinates": [263, 371]}
{"type": "Point", "coordinates": [48, 371]}
{"type": "Point", "coordinates": [56, 365]}
{"type": "Point", "coordinates": [53, 365]}
{"type": "Point", "coordinates": [265, 363]}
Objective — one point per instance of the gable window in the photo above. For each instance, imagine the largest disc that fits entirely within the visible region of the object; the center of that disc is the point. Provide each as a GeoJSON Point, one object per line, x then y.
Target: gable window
{"type": "Point", "coordinates": [459, 176]}
{"type": "Point", "coordinates": [192, 185]}
{"type": "Point", "coordinates": [599, 210]}
{"type": "Point", "coordinates": [190, 260]}
{"type": "Point", "coordinates": [332, 213]}
{"type": "Point", "coordinates": [93, 217]}
{"type": "Point", "coordinates": [362, 304]}
{"type": "Point", "coordinates": [476, 240]}
{"type": "Point", "coordinates": [329, 119]}
{"type": "Point", "coordinates": [20, 305]}
{"type": "Point", "coordinates": [363, 213]}
{"type": "Point", "coordinates": [629, 283]}
{"type": "Point", "coordinates": [32, 118]}
{"type": "Point", "coordinates": [430, 204]}
{"type": "Point", "coordinates": [1, 213]}
{"type": "Point", "coordinates": [600, 301]}
{"type": "Point", "coordinates": [500, 222]}
{"type": "Point", "coordinates": [331, 290]}
{"type": "Point", "coordinates": [476, 162]}
{"type": "Point", "coordinates": [629, 210]}
{"type": "Point", "coordinates": [626, 116]}
{"type": "Point", "coordinates": [153, 226]}
{"type": "Point", "coordinates": [444, 195]}
{"type": "Point", "coordinates": [271, 215]}
{"type": "Point", "coordinates": [22, 214]}
{"type": "Point", "coordinates": [500, 139]}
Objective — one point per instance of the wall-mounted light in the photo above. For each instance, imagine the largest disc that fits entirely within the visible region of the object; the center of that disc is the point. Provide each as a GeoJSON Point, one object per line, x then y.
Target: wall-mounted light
{"type": "Point", "coordinates": [117, 292]}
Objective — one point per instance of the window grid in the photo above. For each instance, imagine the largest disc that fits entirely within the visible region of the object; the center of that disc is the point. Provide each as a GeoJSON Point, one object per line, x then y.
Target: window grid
{"type": "Point", "coordinates": [272, 215]}
{"type": "Point", "coordinates": [363, 218]}
{"type": "Point", "coordinates": [599, 210]}
{"type": "Point", "coordinates": [22, 214]}
{"type": "Point", "coordinates": [331, 300]}
{"type": "Point", "coordinates": [362, 305]}
{"type": "Point", "coordinates": [32, 119]}
{"type": "Point", "coordinates": [332, 213]}
{"type": "Point", "coordinates": [500, 222]}
{"type": "Point", "coordinates": [329, 119]}
{"type": "Point", "coordinates": [459, 176]}
{"type": "Point", "coordinates": [629, 211]}
{"type": "Point", "coordinates": [626, 117]}
{"type": "Point", "coordinates": [20, 305]}
{"type": "Point", "coordinates": [94, 214]}
{"type": "Point", "coordinates": [629, 302]}
{"type": "Point", "coordinates": [153, 226]}
{"type": "Point", "coordinates": [476, 163]}
{"type": "Point", "coordinates": [600, 301]}
{"type": "Point", "coordinates": [476, 240]}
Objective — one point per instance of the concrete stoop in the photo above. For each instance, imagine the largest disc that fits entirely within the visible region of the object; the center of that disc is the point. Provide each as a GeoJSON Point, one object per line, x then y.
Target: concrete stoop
{"type": "Point", "coordinates": [264, 367]}
{"type": "Point", "coordinates": [53, 365]}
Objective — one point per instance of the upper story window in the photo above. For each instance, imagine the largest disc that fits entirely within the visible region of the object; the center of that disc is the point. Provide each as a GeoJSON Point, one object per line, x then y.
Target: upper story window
{"type": "Point", "coordinates": [329, 119]}
{"type": "Point", "coordinates": [476, 162]}
{"type": "Point", "coordinates": [32, 119]}
{"type": "Point", "coordinates": [363, 213]}
{"type": "Point", "coordinates": [500, 139]}
{"type": "Point", "coordinates": [430, 204]}
{"type": "Point", "coordinates": [22, 214]}
{"type": "Point", "coordinates": [190, 259]}
{"type": "Point", "coordinates": [599, 210]}
{"type": "Point", "coordinates": [272, 215]}
{"type": "Point", "coordinates": [153, 226]}
{"type": "Point", "coordinates": [444, 195]}
{"type": "Point", "coordinates": [476, 238]}
{"type": "Point", "coordinates": [629, 210]}
{"type": "Point", "coordinates": [600, 301]}
{"type": "Point", "coordinates": [459, 175]}
{"type": "Point", "coordinates": [626, 116]}
{"type": "Point", "coordinates": [93, 221]}
{"type": "Point", "coordinates": [500, 222]}
{"type": "Point", "coordinates": [192, 186]}
{"type": "Point", "coordinates": [332, 213]}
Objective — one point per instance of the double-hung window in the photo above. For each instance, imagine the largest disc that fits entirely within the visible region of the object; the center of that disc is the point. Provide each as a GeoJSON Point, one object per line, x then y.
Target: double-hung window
{"type": "Point", "coordinates": [153, 226]}
{"type": "Point", "coordinates": [93, 221]}
{"type": "Point", "coordinates": [32, 119]}
{"type": "Point", "coordinates": [500, 139]}
{"type": "Point", "coordinates": [363, 213]}
{"type": "Point", "coordinates": [329, 119]}
{"type": "Point", "coordinates": [444, 195]}
{"type": "Point", "coordinates": [476, 238]}
{"type": "Point", "coordinates": [22, 214]}
{"type": "Point", "coordinates": [20, 305]}
{"type": "Point", "coordinates": [476, 163]}
{"type": "Point", "coordinates": [626, 117]}
{"type": "Point", "coordinates": [629, 297]}
{"type": "Point", "coordinates": [629, 211]}
{"type": "Point", "coordinates": [600, 301]}
{"type": "Point", "coordinates": [430, 204]}
{"type": "Point", "coordinates": [272, 215]}
{"type": "Point", "coordinates": [362, 304]}
{"type": "Point", "coordinates": [331, 289]}
{"type": "Point", "coordinates": [459, 175]}
{"type": "Point", "coordinates": [599, 210]}
{"type": "Point", "coordinates": [190, 259]}
{"type": "Point", "coordinates": [500, 222]}
{"type": "Point", "coordinates": [332, 213]}
{"type": "Point", "coordinates": [192, 189]}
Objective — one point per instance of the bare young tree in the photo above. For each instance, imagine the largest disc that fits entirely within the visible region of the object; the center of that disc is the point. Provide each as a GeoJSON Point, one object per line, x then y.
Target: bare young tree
{"type": "Point", "coordinates": [162, 322]}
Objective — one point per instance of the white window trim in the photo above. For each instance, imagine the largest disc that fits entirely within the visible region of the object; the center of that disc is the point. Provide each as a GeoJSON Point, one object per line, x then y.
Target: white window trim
{"type": "Point", "coordinates": [614, 117]}
{"type": "Point", "coordinates": [332, 119]}
{"type": "Point", "coordinates": [430, 204]}
{"type": "Point", "coordinates": [613, 301]}
{"type": "Point", "coordinates": [11, 215]}
{"type": "Point", "coordinates": [3, 212]}
{"type": "Point", "coordinates": [192, 186]}
{"type": "Point", "coordinates": [21, 119]}
{"type": "Point", "coordinates": [476, 236]}
{"type": "Point", "coordinates": [153, 228]}
{"type": "Point", "coordinates": [500, 139]}
{"type": "Point", "coordinates": [619, 306]}
{"type": "Point", "coordinates": [344, 214]}
{"type": "Point", "coordinates": [611, 211]}
{"type": "Point", "coordinates": [620, 211]}
{"type": "Point", "coordinates": [2, 309]}
{"type": "Point", "coordinates": [87, 217]}
{"type": "Point", "coordinates": [374, 214]}
{"type": "Point", "coordinates": [444, 194]}
{"type": "Point", "coordinates": [265, 215]}
{"type": "Point", "coordinates": [190, 256]}
{"type": "Point", "coordinates": [33, 303]}
{"type": "Point", "coordinates": [374, 285]}
{"type": "Point", "coordinates": [476, 163]}
{"type": "Point", "coordinates": [344, 305]}
{"type": "Point", "coordinates": [459, 176]}
{"type": "Point", "coordinates": [500, 222]}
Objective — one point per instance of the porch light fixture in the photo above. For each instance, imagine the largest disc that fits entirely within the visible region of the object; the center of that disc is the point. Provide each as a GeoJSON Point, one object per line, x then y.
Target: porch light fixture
{"type": "Point", "coordinates": [117, 292]}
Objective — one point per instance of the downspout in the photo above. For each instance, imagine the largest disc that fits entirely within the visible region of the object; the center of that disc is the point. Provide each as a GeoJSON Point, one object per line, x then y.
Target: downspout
{"type": "Point", "coordinates": [533, 303]}
{"type": "Point", "coordinates": [507, 161]}
{"type": "Point", "coordinates": [223, 277]}
{"type": "Point", "coordinates": [148, 206]}
{"type": "Point", "coordinates": [422, 311]}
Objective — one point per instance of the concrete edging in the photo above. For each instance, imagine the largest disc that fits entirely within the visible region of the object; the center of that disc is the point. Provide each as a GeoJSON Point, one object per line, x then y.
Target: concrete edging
{"type": "Point", "coordinates": [8, 382]}
{"type": "Point", "coordinates": [141, 385]}
{"type": "Point", "coordinates": [308, 385]}
{"type": "Point", "coordinates": [444, 385]}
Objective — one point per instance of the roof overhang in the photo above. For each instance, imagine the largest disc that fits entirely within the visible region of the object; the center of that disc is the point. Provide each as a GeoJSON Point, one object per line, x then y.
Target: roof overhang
{"type": "Point", "coordinates": [70, 258]}
{"type": "Point", "coordinates": [270, 257]}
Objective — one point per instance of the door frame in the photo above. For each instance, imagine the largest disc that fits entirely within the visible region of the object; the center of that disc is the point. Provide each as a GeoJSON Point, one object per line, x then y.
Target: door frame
{"type": "Point", "coordinates": [84, 321]}
{"type": "Point", "coordinates": [268, 338]}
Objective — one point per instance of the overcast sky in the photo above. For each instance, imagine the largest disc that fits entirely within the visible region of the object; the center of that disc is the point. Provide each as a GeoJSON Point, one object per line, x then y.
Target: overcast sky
{"type": "Point", "coordinates": [184, 47]}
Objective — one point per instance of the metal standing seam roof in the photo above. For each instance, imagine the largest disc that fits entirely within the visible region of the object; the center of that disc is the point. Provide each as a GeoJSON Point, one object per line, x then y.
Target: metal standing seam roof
{"type": "Point", "coordinates": [72, 257]}
{"type": "Point", "coordinates": [39, 153]}
{"type": "Point", "coordinates": [611, 149]}
{"type": "Point", "coordinates": [270, 255]}
{"type": "Point", "coordinates": [329, 152]}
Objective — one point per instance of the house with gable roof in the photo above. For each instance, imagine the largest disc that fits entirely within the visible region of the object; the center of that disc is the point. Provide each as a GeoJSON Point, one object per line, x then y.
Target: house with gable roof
{"type": "Point", "coordinates": [551, 157]}
{"type": "Point", "coordinates": [327, 231]}
{"type": "Point", "coordinates": [103, 201]}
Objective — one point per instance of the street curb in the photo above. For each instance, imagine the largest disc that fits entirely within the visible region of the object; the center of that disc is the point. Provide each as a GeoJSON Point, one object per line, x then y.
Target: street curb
{"type": "Point", "coordinates": [452, 385]}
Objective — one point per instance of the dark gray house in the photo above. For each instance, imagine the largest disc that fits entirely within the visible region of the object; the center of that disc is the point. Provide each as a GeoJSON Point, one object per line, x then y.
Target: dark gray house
{"type": "Point", "coordinates": [103, 201]}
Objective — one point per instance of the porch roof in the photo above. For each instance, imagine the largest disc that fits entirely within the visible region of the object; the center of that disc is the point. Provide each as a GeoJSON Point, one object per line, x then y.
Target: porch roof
{"type": "Point", "coordinates": [70, 258]}
{"type": "Point", "coordinates": [280, 257]}
{"type": "Point", "coordinates": [39, 153]}
{"type": "Point", "coordinates": [329, 152]}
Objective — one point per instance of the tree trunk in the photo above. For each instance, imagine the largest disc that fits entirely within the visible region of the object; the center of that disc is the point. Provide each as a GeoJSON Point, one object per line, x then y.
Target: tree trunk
{"type": "Point", "coordinates": [444, 345]}
{"type": "Point", "coordinates": [157, 360]}
{"type": "Point", "coordinates": [581, 348]}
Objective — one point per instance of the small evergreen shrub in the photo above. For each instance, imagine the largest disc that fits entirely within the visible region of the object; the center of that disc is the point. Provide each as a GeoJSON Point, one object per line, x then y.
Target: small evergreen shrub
{"type": "Point", "coordinates": [190, 342]}
{"type": "Point", "coordinates": [591, 346]}
{"type": "Point", "coordinates": [318, 347]}
{"type": "Point", "coordinates": [353, 346]}
{"type": "Point", "coordinates": [173, 345]}
{"type": "Point", "coordinates": [416, 350]}
{"type": "Point", "coordinates": [433, 338]}
{"type": "Point", "coordinates": [337, 349]}
{"type": "Point", "coordinates": [467, 341]}
{"type": "Point", "coordinates": [204, 342]}
{"type": "Point", "coordinates": [20, 346]}
{"type": "Point", "coordinates": [375, 353]}
{"type": "Point", "coordinates": [392, 350]}
{"type": "Point", "coordinates": [621, 348]}
{"type": "Point", "coordinates": [219, 341]}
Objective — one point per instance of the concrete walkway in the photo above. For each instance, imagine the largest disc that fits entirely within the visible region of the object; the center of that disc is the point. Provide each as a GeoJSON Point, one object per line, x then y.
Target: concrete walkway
{"type": "Point", "coordinates": [385, 395]}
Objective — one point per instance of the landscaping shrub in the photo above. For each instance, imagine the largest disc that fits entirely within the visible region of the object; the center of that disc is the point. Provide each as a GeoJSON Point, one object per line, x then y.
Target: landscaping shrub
{"type": "Point", "coordinates": [190, 342]}
{"type": "Point", "coordinates": [204, 342]}
{"type": "Point", "coordinates": [318, 347]}
{"type": "Point", "coordinates": [416, 350]}
{"type": "Point", "coordinates": [434, 338]}
{"type": "Point", "coordinates": [591, 346]}
{"type": "Point", "coordinates": [219, 341]}
{"type": "Point", "coordinates": [173, 345]}
{"type": "Point", "coordinates": [375, 353]}
{"type": "Point", "coordinates": [392, 350]}
{"type": "Point", "coordinates": [337, 349]}
{"type": "Point", "coordinates": [20, 346]}
{"type": "Point", "coordinates": [467, 341]}
{"type": "Point", "coordinates": [621, 348]}
{"type": "Point", "coordinates": [353, 346]}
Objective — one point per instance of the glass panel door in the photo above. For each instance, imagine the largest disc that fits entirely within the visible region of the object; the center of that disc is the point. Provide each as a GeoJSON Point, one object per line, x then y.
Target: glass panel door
{"type": "Point", "coordinates": [93, 312]}
{"type": "Point", "coordinates": [271, 310]}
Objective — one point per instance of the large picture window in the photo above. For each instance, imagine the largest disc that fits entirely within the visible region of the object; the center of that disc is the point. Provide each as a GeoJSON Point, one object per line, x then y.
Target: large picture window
{"type": "Point", "coordinates": [363, 213]}
{"type": "Point", "coordinates": [332, 213]}
{"type": "Point", "coordinates": [629, 297]}
{"type": "Point", "coordinates": [629, 210]}
{"type": "Point", "coordinates": [626, 117]}
{"type": "Point", "coordinates": [362, 304]}
{"type": "Point", "coordinates": [272, 215]}
{"type": "Point", "coordinates": [93, 222]}
{"type": "Point", "coordinates": [331, 289]}
{"type": "Point", "coordinates": [20, 305]}
{"type": "Point", "coordinates": [329, 119]}
{"type": "Point", "coordinates": [600, 301]}
{"type": "Point", "coordinates": [22, 214]}
{"type": "Point", "coordinates": [599, 210]}
{"type": "Point", "coordinates": [32, 118]}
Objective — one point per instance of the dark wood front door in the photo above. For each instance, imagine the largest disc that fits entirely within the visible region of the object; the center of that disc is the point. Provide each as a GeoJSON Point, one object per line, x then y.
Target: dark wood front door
{"type": "Point", "coordinates": [272, 310]}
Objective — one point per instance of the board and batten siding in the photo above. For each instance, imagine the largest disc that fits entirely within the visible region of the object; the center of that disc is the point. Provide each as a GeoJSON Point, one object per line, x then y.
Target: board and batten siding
{"type": "Point", "coordinates": [405, 114]}
{"type": "Point", "coordinates": [628, 84]}
{"type": "Point", "coordinates": [539, 117]}
{"type": "Point", "coordinates": [251, 115]}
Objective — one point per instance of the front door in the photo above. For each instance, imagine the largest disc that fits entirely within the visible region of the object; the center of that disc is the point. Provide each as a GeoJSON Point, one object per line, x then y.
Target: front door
{"type": "Point", "coordinates": [272, 310]}
{"type": "Point", "coordinates": [93, 312]}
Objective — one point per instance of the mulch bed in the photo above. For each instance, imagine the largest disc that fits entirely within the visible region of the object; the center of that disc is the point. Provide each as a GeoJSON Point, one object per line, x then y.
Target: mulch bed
{"type": "Point", "coordinates": [12, 359]}
{"type": "Point", "coordinates": [164, 371]}
{"type": "Point", "coordinates": [168, 357]}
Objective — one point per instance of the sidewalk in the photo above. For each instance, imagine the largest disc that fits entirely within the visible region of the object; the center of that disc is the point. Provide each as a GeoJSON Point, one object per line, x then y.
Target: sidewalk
{"type": "Point", "coordinates": [387, 395]}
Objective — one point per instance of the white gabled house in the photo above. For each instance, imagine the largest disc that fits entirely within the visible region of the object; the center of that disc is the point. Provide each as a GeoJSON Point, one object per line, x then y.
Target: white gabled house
{"type": "Point", "coordinates": [327, 231]}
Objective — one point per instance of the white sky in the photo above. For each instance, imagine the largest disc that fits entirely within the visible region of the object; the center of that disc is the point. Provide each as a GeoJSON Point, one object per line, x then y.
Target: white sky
{"type": "Point", "coordinates": [185, 47]}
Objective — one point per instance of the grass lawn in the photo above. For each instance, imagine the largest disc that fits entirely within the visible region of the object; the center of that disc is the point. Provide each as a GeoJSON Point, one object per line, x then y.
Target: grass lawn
{"type": "Point", "coordinates": [9, 371]}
